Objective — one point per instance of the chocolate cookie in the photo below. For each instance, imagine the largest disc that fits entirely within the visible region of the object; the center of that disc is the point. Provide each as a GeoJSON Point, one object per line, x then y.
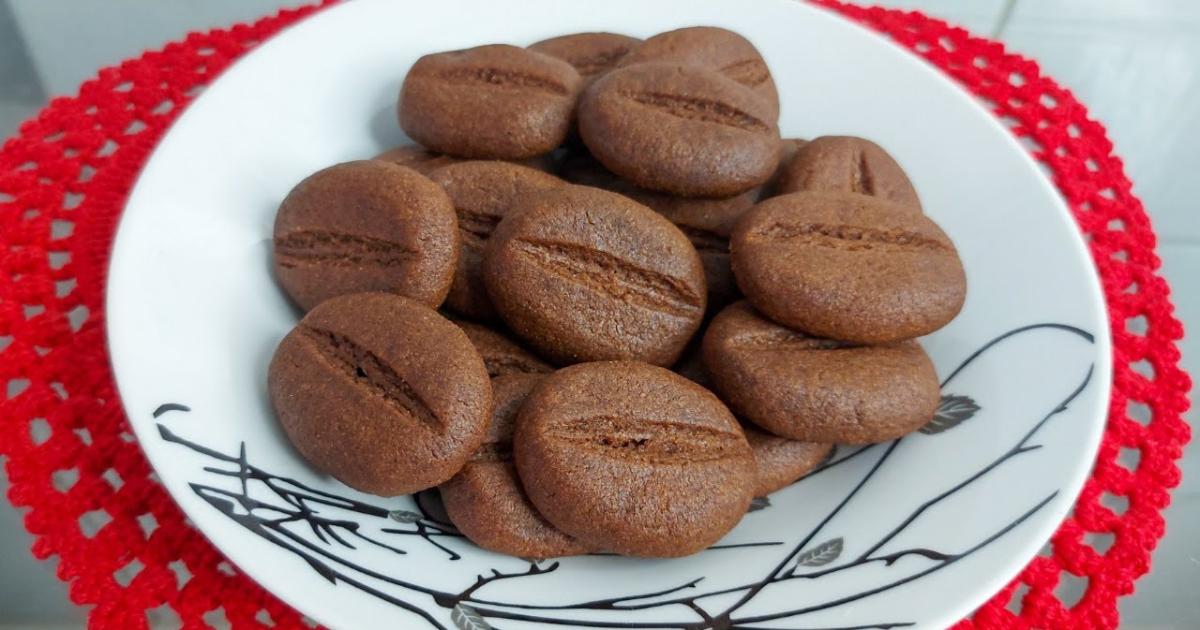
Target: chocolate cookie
{"type": "Point", "coordinates": [680, 129]}
{"type": "Point", "coordinates": [847, 164]}
{"type": "Point", "coordinates": [791, 146]}
{"type": "Point", "coordinates": [629, 457]}
{"type": "Point", "coordinates": [817, 390]}
{"type": "Point", "coordinates": [591, 54]}
{"type": "Point", "coordinates": [492, 102]}
{"type": "Point", "coordinates": [482, 192]}
{"type": "Point", "coordinates": [365, 226]}
{"type": "Point", "coordinates": [715, 48]}
{"type": "Point", "coordinates": [847, 266]}
{"type": "Point", "coordinates": [706, 222]}
{"type": "Point", "coordinates": [381, 392]}
{"type": "Point", "coordinates": [582, 274]}
{"type": "Point", "coordinates": [424, 161]}
{"type": "Point", "coordinates": [779, 461]}
{"type": "Point", "coordinates": [501, 355]}
{"type": "Point", "coordinates": [485, 499]}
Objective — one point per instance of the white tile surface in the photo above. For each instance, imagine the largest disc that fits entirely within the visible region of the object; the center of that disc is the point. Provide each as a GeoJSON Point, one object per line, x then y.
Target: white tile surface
{"type": "Point", "coordinates": [978, 16]}
{"type": "Point", "coordinates": [1143, 83]}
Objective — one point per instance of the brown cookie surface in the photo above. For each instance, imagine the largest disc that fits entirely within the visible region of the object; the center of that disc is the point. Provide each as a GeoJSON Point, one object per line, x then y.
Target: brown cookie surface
{"type": "Point", "coordinates": [791, 146]}
{"type": "Point", "coordinates": [633, 458]}
{"type": "Point", "coordinates": [485, 499]}
{"type": "Point", "coordinates": [582, 274]}
{"type": "Point", "coordinates": [501, 355]}
{"type": "Point", "coordinates": [490, 102]}
{"type": "Point", "coordinates": [715, 48]}
{"type": "Point", "coordinates": [381, 392]}
{"type": "Point", "coordinates": [817, 390]}
{"type": "Point", "coordinates": [365, 226]}
{"type": "Point", "coordinates": [591, 54]}
{"type": "Point", "coordinates": [706, 222]}
{"type": "Point", "coordinates": [680, 129]}
{"type": "Point", "coordinates": [482, 192]}
{"type": "Point", "coordinates": [847, 164]}
{"type": "Point", "coordinates": [424, 161]}
{"type": "Point", "coordinates": [847, 266]}
{"type": "Point", "coordinates": [779, 461]}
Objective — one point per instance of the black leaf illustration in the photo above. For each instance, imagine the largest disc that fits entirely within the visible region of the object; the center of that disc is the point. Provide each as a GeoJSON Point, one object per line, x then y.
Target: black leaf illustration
{"type": "Point", "coordinates": [759, 503]}
{"type": "Point", "coordinates": [467, 618]}
{"type": "Point", "coordinates": [951, 412]}
{"type": "Point", "coordinates": [822, 554]}
{"type": "Point", "coordinates": [404, 516]}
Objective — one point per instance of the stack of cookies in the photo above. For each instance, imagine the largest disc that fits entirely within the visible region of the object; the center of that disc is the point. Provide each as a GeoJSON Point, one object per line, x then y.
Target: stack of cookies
{"type": "Point", "coordinates": [655, 308]}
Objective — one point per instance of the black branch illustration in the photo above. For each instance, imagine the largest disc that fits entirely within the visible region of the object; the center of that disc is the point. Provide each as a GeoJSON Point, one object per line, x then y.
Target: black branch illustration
{"type": "Point", "coordinates": [290, 503]}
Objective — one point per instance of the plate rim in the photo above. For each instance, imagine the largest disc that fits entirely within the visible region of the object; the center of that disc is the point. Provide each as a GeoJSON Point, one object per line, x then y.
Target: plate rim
{"type": "Point", "coordinates": [1103, 360]}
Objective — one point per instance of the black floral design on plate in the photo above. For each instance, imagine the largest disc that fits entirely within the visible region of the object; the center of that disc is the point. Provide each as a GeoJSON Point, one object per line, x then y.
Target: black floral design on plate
{"type": "Point", "coordinates": [271, 506]}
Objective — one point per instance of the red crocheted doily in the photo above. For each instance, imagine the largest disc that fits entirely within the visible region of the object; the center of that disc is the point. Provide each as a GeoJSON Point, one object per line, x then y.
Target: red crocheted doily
{"type": "Point", "coordinates": [71, 458]}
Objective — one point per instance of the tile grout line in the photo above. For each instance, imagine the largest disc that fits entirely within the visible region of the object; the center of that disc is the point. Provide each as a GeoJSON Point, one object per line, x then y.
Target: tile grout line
{"type": "Point", "coordinates": [1006, 13]}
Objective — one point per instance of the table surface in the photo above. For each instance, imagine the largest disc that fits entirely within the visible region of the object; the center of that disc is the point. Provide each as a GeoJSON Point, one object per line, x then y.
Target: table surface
{"type": "Point", "coordinates": [1136, 65]}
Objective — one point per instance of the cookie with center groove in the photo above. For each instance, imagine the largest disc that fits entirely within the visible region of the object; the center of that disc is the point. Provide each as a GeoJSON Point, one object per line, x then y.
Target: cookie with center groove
{"type": "Point", "coordinates": [582, 274]}
{"type": "Point", "coordinates": [707, 222]}
{"type": "Point", "coordinates": [591, 54]}
{"type": "Point", "coordinates": [817, 390]}
{"type": "Point", "coordinates": [485, 499]}
{"type": "Point", "coordinates": [380, 392]}
{"type": "Point", "coordinates": [847, 266]}
{"type": "Point", "coordinates": [489, 102]}
{"type": "Point", "coordinates": [633, 458]}
{"type": "Point", "coordinates": [847, 164]}
{"type": "Point", "coordinates": [680, 129]}
{"type": "Point", "coordinates": [482, 192]}
{"type": "Point", "coordinates": [715, 48]}
{"type": "Point", "coordinates": [365, 226]}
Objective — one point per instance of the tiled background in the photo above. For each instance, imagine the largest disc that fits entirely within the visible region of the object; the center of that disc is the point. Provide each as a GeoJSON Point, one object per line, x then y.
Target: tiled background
{"type": "Point", "coordinates": [1135, 63]}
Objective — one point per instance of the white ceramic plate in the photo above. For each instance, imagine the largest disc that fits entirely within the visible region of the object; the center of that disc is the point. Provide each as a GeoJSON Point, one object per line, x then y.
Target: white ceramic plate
{"type": "Point", "coordinates": [917, 532]}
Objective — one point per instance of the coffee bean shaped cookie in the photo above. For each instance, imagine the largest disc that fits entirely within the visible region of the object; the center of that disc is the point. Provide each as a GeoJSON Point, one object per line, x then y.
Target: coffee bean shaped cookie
{"type": "Point", "coordinates": [582, 274]}
{"type": "Point", "coordinates": [381, 392]}
{"type": "Point", "coordinates": [501, 355]}
{"type": "Point", "coordinates": [365, 226]}
{"type": "Point", "coordinates": [851, 165]}
{"type": "Point", "coordinates": [489, 102]}
{"type": "Point", "coordinates": [485, 499]}
{"type": "Point", "coordinates": [847, 267]}
{"type": "Point", "coordinates": [591, 54]}
{"type": "Point", "coordinates": [633, 458]}
{"type": "Point", "coordinates": [482, 192]}
{"type": "Point", "coordinates": [680, 129]}
{"type": "Point", "coordinates": [817, 390]}
{"type": "Point", "coordinates": [779, 462]}
{"type": "Point", "coordinates": [715, 48]}
{"type": "Point", "coordinates": [424, 161]}
{"type": "Point", "coordinates": [706, 222]}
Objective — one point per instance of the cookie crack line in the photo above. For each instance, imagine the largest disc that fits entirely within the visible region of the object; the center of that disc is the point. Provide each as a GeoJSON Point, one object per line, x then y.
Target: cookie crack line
{"type": "Point", "coordinates": [861, 179]}
{"type": "Point", "coordinates": [849, 237]}
{"type": "Point", "coordinates": [699, 109]}
{"type": "Point", "coordinates": [650, 441]}
{"type": "Point", "coordinates": [502, 78]}
{"type": "Point", "coordinates": [501, 366]}
{"type": "Point", "coordinates": [368, 372]}
{"type": "Point", "coordinates": [597, 62]}
{"type": "Point", "coordinates": [335, 249]}
{"type": "Point", "coordinates": [748, 72]}
{"type": "Point", "coordinates": [609, 274]}
{"type": "Point", "coordinates": [705, 240]}
{"type": "Point", "coordinates": [785, 340]}
{"type": "Point", "coordinates": [476, 226]}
